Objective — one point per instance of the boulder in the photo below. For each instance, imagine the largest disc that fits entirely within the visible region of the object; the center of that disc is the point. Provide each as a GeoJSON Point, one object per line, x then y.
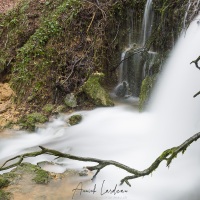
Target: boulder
{"type": "Point", "coordinates": [94, 91]}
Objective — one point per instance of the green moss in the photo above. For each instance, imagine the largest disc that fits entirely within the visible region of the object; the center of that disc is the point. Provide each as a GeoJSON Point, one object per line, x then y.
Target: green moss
{"type": "Point", "coordinates": [75, 119]}
{"type": "Point", "coordinates": [41, 177]}
{"type": "Point", "coordinates": [35, 56]}
{"type": "Point", "coordinates": [60, 108]}
{"type": "Point", "coordinates": [5, 195]}
{"type": "Point", "coordinates": [29, 121]}
{"type": "Point", "coordinates": [48, 108]}
{"type": "Point", "coordinates": [95, 91]}
{"type": "Point", "coordinates": [146, 87]}
{"type": "Point", "coordinates": [3, 182]}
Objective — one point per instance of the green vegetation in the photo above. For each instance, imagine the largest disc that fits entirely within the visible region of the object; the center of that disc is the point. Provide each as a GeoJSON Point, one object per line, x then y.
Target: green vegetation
{"type": "Point", "coordinates": [95, 92]}
{"type": "Point", "coordinates": [48, 108]}
{"type": "Point", "coordinates": [5, 195]}
{"type": "Point", "coordinates": [41, 177]}
{"type": "Point", "coordinates": [3, 182]}
{"type": "Point", "coordinates": [146, 87]}
{"type": "Point", "coordinates": [29, 121]}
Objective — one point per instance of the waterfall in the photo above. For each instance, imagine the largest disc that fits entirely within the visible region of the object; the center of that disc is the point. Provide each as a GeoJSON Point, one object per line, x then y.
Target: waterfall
{"type": "Point", "coordinates": [133, 67]}
{"type": "Point", "coordinates": [180, 81]}
{"type": "Point", "coordinates": [147, 22]}
{"type": "Point", "coordinates": [123, 134]}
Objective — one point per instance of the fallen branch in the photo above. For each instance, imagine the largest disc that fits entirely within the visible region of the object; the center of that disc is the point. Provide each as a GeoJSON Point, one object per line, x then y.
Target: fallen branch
{"type": "Point", "coordinates": [196, 62]}
{"type": "Point", "coordinates": [196, 94]}
{"type": "Point", "coordinates": [168, 155]}
{"type": "Point", "coordinates": [197, 66]}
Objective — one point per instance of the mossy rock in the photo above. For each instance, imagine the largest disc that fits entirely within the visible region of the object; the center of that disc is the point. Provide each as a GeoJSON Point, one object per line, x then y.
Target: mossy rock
{"type": "Point", "coordinates": [48, 108]}
{"type": "Point", "coordinates": [29, 121]}
{"type": "Point", "coordinates": [40, 176]}
{"type": "Point", "coordinates": [93, 89]}
{"type": "Point", "coordinates": [5, 195]}
{"type": "Point", "coordinates": [146, 87]}
{"type": "Point", "coordinates": [4, 182]}
{"type": "Point", "coordinates": [75, 119]}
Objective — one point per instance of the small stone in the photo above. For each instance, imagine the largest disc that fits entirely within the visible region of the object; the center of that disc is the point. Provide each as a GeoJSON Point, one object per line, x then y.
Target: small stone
{"type": "Point", "coordinates": [84, 173]}
{"type": "Point", "coordinates": [70, 100]}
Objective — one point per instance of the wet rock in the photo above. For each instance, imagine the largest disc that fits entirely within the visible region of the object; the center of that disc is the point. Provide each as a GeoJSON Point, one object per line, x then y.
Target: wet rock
{"type": "Point", "coordinates": [147, 85]}
{"type": "Point", "coordinates": [122, 89]}
{"type": "Point", "coordinates": [70, 100]}
{"type": "Point", "coordinates": [93, 89]}
{"type": "Point", "coordinates": [74, 119]}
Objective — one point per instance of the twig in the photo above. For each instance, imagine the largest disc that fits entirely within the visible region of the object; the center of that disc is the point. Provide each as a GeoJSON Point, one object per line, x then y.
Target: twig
{"type": "Point", "coordinates": [116, 34]}
{"type": "Point", "coordinates": [136, 51]}
{"type": "Point", "coordinates": [6, 40]}
{"type": "Point", "coordinates": [72, 70]}
{"type": "Point", "coordinates": [198, 93]}
{"type": "Point", "coordinates": [91, 21]}
{"type": "Point", "coordinates": [196, 62]}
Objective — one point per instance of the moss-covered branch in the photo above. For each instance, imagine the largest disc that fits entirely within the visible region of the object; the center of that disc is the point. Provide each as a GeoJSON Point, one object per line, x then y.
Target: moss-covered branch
{"type": "Point", "coordinates": [168, 155]}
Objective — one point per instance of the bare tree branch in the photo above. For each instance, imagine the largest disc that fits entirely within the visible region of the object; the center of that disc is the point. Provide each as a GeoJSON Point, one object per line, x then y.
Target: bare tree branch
{"type": "Point", "coordinates": [168, 155]}
{"type": "Point", "coordinates": [196, 94]}
{"type": "Point", "coordinates": [196, 62]}
{"type": "Point", "coordinates": [197, 66]}
{"type": "Point", "coordinates": [136, 51]}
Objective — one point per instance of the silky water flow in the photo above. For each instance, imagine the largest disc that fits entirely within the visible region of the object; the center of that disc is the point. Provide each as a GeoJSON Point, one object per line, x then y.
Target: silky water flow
{"type": "Point", "coordinates": [123, 134]}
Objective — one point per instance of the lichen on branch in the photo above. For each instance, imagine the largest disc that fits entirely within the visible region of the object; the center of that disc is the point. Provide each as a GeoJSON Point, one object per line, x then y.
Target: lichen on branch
{"type": "Point", "coordinates": [168, 155]}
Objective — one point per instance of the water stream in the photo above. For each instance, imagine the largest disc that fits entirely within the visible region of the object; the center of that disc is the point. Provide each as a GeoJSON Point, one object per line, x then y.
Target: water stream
{"type": "Point", "coordinates": [124, 134]}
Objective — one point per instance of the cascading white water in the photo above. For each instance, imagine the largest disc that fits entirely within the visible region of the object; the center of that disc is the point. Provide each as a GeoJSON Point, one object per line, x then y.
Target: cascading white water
{"type": "Point", "coordinates": [133, 70]}
{"type": "Point", "coordinates": [123, 134]}
{"type": "Point", "coordinates": [147, 22]}
{"type": "Point", "coordinates": [173, 94]}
